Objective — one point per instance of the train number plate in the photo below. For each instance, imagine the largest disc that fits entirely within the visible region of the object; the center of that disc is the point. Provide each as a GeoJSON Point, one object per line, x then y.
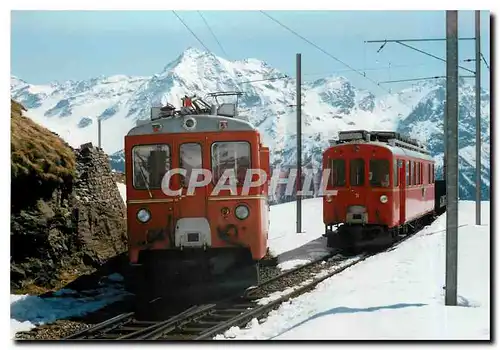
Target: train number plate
{"type": "Point", "coordinates": [193, 237]}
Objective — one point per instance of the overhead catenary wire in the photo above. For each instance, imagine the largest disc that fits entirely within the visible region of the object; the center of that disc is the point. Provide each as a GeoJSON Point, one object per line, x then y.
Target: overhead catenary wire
{"type": "Point", "coordinates": [213, 34]}
{"type": "Point", "coordinates": [187, 27]}
{"type": "Point", "coordinates": [484, 60]}
{"type": "Point", "coordinates": [431, 55]}
{"type": "Point", "coordinates": [324, 51]}
{"type": "Point", "coordinates": [285, 76]}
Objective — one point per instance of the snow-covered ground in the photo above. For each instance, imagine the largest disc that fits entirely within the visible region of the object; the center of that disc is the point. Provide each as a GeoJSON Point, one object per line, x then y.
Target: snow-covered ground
{"type": "Point", "coordinates": [395, 295]}
{"type": "Point", "coordinates": [29, 311]}
{"type": "Point", "coordinates": [294, 248]}
{"type": "Point", "coordinates": [123, 191]}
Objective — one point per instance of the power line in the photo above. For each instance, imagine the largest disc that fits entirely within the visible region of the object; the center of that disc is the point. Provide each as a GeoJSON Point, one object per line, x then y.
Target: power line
{"type": "Point", "coordinates": [213, 34]}
{"type": "Point", "coordinates": [322, 50]}
{"type": "Point", "coordinates": [484, 60]}
{"type": "Point", "coordinates": [397, 40]}
{"type": "Point", "coordinates": [431, 55]}
{"type": "Point", "coordinates": [268, 79]}
{"type": "Point", "coordinates": [415, 79]}
{"type": "Point", "coordinates": [333, 72]}
{"type": "Point", "coordinates": [185, 25]}
{"type": "Point", "coordinates": [427, 78]}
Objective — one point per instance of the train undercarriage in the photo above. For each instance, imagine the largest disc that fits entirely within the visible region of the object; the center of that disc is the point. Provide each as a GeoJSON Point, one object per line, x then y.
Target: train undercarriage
{"type": "Point", "coordinates": [355, 238]}
{"type": "Point", "coordinates": [191, 274]}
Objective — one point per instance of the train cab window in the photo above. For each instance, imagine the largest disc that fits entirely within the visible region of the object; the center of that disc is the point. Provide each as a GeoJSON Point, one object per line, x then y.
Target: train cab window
{"type": "Point", "coordinates": [379, 172]}
{"type": "Point", "coordinates": [150, 164]}
{"type": "Point", "coordinates": [190, 158]}
{"type": "Point", "coordinates": [230, 155]}
{"type": "Point", "coordinates": [337, 175]}
{"type": "Point", "coordinates": [357, 172]}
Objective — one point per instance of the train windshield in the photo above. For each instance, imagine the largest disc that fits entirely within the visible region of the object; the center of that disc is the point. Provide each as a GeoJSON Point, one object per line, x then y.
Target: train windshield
{"type": "Point", "coordinates": [357, 172]}
{"type": "Point", "coordinates": [379, 172]}
{"type": "Point", "coordinates": [150, 162]}
{"type": "Point", "coordinates": [191, 158]}
{"type": "Point", "coordinates": [337, 175]}
{"type": "Point", "coordinates": [230, 155]}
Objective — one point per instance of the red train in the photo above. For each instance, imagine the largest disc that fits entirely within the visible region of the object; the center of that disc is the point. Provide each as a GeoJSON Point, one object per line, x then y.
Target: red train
{"type": "Point", "coordinates": [192, 241]}
{"type": "Point", "coordinates": [382, 186]}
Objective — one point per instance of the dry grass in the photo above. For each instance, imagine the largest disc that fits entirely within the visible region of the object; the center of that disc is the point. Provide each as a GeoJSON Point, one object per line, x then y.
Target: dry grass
{"type": "Point", "coordinates": [37, 152]}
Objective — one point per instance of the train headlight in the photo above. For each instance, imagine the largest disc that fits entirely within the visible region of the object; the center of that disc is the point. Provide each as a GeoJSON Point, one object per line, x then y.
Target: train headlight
{"type": "Point", "coordinates": [383, 198]}
{"type": "Point", "coordinates": [143, 215]}
{"type": "Point", "coordinates": [189, 123]}
{"type": "Point", "coordinates": [242, 212]}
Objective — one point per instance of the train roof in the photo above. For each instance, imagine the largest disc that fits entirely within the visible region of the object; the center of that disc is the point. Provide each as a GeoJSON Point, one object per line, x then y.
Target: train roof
{"type": "Point", "coordinates": [395, 150]}
{"type": "Point", "coordinates": [398, 144]}
{"type": "Point", "coordinates": [191, 123]}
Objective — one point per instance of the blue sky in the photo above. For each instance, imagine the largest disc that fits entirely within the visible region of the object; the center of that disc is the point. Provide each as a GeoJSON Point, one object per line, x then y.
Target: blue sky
{"type": "Point", "coordinates": [62, 45]}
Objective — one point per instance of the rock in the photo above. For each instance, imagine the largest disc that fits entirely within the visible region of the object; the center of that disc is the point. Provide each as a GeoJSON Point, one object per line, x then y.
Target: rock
{"type": "Point", "coordinates": [80, 227]}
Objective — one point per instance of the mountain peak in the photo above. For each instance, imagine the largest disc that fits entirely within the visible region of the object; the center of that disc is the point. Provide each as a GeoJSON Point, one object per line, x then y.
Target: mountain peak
{"type": "Point", "coordinates": [192, 51]}
{"type": "Point", "coordinates": [189, 56]}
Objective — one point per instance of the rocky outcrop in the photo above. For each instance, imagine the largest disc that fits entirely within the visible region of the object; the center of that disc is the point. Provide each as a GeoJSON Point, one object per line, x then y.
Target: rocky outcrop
{"type": "Point", "coordinates": [74, 229]}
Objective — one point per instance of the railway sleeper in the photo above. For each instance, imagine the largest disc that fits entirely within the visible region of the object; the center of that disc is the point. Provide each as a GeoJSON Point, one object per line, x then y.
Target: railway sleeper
{"type": "Point", "coordinates": [193, 330]}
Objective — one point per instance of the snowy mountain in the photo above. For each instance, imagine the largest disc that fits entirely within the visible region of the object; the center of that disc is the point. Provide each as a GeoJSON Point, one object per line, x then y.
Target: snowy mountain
{"type": "Point", "coordinates": [330, 104]}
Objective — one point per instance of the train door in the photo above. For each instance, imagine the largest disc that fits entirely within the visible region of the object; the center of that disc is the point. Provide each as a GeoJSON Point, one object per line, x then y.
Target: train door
{"type": "Point", "coordinates": [403, 171]}
{"type": "Point", "coordinates": [193, 202]}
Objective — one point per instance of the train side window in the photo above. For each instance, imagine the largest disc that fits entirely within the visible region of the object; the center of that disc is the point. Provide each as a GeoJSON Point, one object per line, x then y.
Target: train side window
{"type": "Point", "coordinates": [379, 172]}
{"type": "Point", "coordinates": [413, 173]}
{"type": "Point", "coordinates": [190, 158]}
{"type": "Point", "coordinates": [407, 171]}
{"type": "Point", "coordinates": [424, 173]}
{"type": "Point", "coordinates": [150, 163]}
{"type": "Point", "coordinates": [418, 174]}
{"type": "Point", "coordinates": [396, 172]}
{"type": "Point", "coordinates": [357, 172]}
{"type": "Point", "coordinates": [230, 155]}
{"type": "Point", "coordinates": [337, 176]}
{"type": "Point", "coordinates": [409, 183]}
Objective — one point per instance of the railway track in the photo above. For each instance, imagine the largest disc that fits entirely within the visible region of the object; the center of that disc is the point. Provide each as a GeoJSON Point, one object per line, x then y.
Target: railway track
{"type": "Point", "coordinates": [202, 322]}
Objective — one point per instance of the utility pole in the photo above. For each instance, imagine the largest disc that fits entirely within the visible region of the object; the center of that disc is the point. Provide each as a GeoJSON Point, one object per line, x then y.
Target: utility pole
{"type": "Point", "coordinates": [451, 156]}
{"type": "Point", "coordinates": [478, 119]}
{"type": "Point", "coordinates": [299, 143]}
{"type": "Point", "coordinates": [99, 132]}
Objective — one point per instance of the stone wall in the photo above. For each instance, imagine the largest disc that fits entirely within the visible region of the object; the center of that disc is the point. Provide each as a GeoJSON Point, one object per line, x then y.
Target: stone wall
{"type": "Point", "coordinates": [99, 212]}
{"type": "Point", "coordinates": [79, 228]}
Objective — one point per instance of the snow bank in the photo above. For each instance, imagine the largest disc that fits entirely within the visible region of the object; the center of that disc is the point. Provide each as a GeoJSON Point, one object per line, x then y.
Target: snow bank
{"type": "Point", "coordinates": [292, 248]}
{"type": "Point", "coordinates": [123, 191]}
{"type": "Point", "coordinates": [395, 295]}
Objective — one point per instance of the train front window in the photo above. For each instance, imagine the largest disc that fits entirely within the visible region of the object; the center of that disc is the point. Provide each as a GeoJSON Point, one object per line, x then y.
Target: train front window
{"type": "Point", "coordinates": [190, 158]}
{"type": "Point", "coordinates": [150, 164]}
{"type": "Point", "coordinates": [337, 175]}
{"type": "Point", "coordinates": [230, 155]}
{"type": "Point", "coordinates": [357, 172]}
{"type": "Point", "coordinates": [379, 172]}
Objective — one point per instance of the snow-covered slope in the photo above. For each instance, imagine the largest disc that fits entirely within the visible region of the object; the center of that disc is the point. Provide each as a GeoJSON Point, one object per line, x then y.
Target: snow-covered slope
{"type": "Point", "coordinates": [330, 104]}
{"type": "Point", "coordinates": [395, 295]}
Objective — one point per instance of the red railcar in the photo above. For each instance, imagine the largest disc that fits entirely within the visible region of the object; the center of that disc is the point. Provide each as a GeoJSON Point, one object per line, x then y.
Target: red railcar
{"type": "Point", "coordinates": [380, 184]}
{"type": "Point", "coordinates": [189, 241]}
